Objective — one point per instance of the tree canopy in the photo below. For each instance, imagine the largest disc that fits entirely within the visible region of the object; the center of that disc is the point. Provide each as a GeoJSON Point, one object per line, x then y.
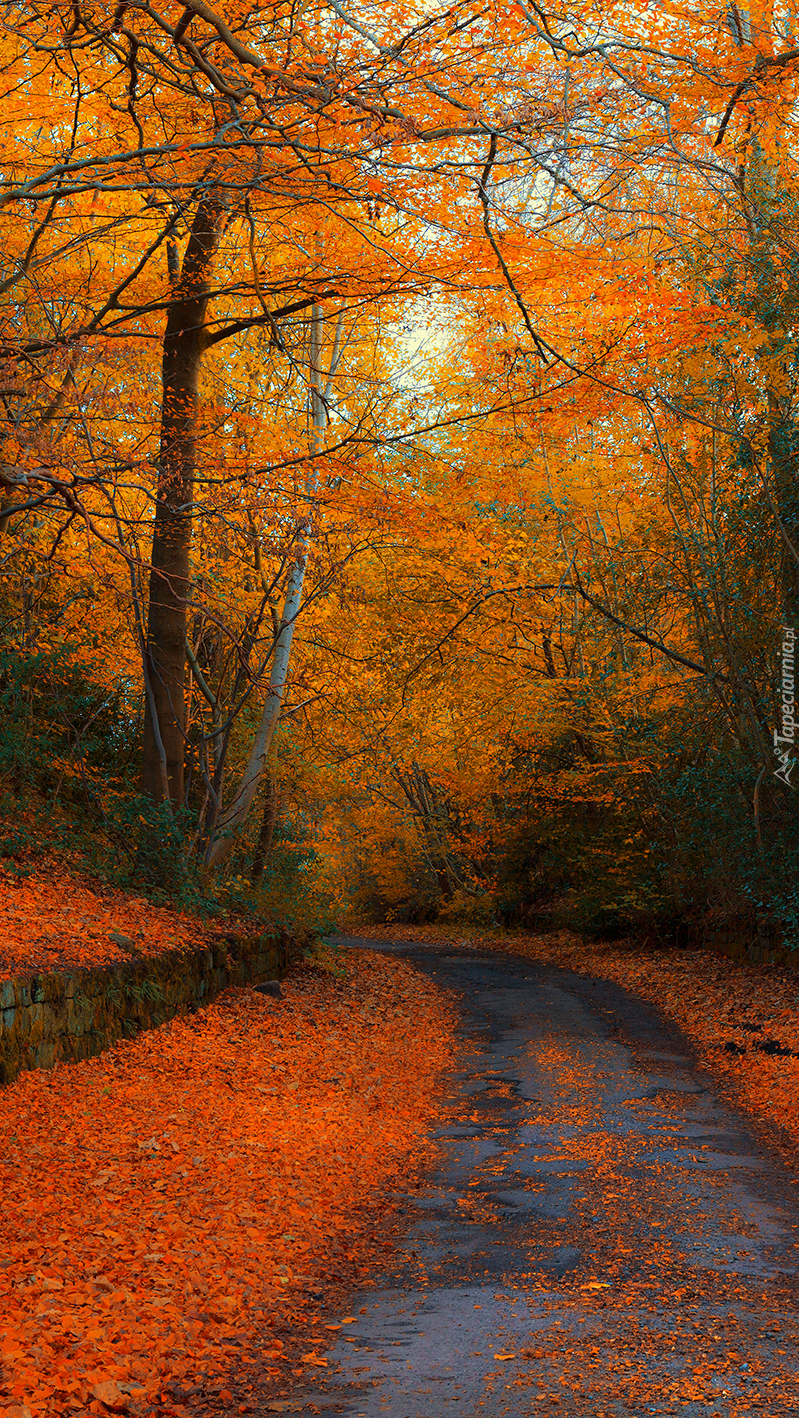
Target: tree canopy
{"type": "Point", "coordinates": [399, 494]}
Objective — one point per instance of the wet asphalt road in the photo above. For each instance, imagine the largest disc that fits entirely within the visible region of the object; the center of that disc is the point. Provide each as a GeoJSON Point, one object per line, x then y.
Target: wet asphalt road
{"type": "Point", "coordinates": [598, 1219]}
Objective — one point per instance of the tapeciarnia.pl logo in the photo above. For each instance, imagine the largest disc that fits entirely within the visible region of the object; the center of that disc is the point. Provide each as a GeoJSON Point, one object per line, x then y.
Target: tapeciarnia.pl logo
{"type": "Point", "coordinates": [784, 741]}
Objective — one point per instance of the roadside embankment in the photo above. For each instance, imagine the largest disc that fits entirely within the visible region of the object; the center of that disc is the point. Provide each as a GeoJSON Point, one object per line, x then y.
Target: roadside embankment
{"type": "Point", "coordinates": [175, 1210]}
{"type": "Point", "coordinates": [82, 966]}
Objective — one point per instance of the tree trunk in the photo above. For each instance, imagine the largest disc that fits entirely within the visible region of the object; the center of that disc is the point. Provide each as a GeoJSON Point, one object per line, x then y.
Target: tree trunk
{"type": "Point", "coordinates": [784, 456]}
{"type": "Point", "coordinates": [267, 831]}
{"type": "Point", "coordinates": [169, 586]}
{"type": "Point", "coordinates": [233, 819]}
{"type": "Point", "coordinates": [235, 815]}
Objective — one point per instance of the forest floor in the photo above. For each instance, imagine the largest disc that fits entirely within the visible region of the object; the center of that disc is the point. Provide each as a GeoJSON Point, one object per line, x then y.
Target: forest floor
{"type": "Point", "coordinates": [185, 1216]}
{"type": "Point", "coordinates": [180, 1213]}
{"type": "Point", "coordinates": [59, 920]}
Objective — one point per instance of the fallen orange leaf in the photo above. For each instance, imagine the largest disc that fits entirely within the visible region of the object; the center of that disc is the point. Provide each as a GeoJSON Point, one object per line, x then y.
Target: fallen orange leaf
{"type": "Point", "coordinates": [152, 1196]}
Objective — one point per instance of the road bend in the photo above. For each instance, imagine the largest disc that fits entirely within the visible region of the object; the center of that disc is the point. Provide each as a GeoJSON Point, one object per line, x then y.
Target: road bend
{"type": "Point", "coordinates": [603, 1236]}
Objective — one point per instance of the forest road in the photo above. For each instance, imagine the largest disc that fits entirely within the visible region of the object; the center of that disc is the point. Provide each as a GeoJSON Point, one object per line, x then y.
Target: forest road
{"type": "Point", "coordinates": [602, 1235]}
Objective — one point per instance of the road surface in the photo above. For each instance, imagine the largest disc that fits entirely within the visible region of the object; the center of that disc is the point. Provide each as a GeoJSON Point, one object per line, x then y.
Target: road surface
{"type": "Point", "coordinates": [603, 1237]}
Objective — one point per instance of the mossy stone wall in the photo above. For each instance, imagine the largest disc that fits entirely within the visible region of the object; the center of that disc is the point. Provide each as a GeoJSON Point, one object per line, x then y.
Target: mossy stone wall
{"type": "Point", "coordinates": [48, 1018]}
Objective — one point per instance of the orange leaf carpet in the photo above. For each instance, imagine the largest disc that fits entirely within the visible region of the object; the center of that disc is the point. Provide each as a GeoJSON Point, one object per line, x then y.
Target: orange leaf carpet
{"type": "Point", "coordinates": [55, 921]}
{"type": "Point", "coordinates": [172, 1209]}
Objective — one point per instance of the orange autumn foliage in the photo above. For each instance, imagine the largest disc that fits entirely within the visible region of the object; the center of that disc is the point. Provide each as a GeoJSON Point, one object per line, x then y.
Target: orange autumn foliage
{"type": "Point", "coordinates": [494, 446]}
{"type": "Point", "coordinates": [167, 1206]}
{"type": "Point", "coordinates": [59, 921]}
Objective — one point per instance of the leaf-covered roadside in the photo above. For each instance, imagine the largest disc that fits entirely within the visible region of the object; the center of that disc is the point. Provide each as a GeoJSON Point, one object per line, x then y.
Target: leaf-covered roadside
{"type": "Point", "coordinates": [170, 1207]}
{"type": "Point", "coordinates": [57, 920]}
{"type": "Point", "coordinates": [742, 1019]}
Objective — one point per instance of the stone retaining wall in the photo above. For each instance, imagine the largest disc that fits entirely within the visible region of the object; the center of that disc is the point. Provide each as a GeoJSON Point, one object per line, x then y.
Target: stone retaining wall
{"type": "Point", "coordinates": [48, 1018]}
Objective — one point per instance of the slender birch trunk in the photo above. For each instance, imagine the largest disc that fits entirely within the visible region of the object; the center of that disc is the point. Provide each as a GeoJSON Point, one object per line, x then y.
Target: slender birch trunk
{"type": "Point", "coordinates": [235, 815]}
